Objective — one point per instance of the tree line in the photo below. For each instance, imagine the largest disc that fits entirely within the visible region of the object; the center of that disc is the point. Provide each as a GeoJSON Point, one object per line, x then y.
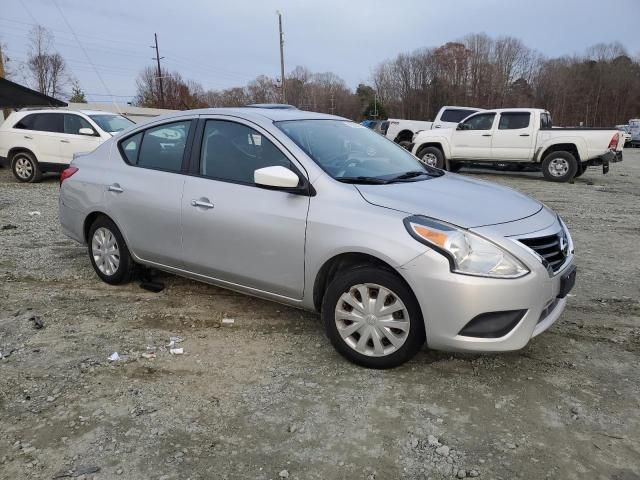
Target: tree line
{"type": "Point", "coordinates": [597, 88]}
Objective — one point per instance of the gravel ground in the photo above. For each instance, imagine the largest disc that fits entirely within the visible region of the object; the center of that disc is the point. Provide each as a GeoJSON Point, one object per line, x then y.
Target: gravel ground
{"type": "Point", "coordinates": [268, 398]}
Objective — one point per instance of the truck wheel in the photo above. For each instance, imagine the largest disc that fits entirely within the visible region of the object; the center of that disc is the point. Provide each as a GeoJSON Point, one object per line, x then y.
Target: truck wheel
{"type": "Point", "coordinates": [559, 166]}
{"type": "Point", "coordinates": [25, 167]}
{"type": "Point", "coordinates": [431, 156]}
{"type": "Point", "coordinates": [404, 144]}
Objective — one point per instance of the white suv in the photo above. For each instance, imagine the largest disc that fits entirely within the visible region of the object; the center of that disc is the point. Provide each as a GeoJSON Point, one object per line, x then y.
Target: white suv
{"type": "Point", "coordinates": [33, 142]}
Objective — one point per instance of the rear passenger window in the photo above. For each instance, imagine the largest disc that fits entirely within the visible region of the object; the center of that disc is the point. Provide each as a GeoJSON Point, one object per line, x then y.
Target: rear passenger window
{"type": "Point", "coordinates": [514, 120]}
{"type": "Point", "coordinates": [130, 148]}
{"type": "Point", "coordinates": [233, 152]}
{"type": "Point", "coordinates": [48, 122]}
{"type": "Point", "coordinates": [26, 123]}
{"type": "Point", "coordinates": [159, 148]}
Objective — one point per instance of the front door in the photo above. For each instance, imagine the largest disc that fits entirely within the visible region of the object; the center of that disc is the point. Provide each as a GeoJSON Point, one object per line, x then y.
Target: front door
{"type": "Point", "coordinates": [71, 141]}
{"type": "Point", "coordinates": [235, 231]}
{"type": "Point", "coordinates": [472, 138]}
{"type": "Point", "coordinates": [514, 137]}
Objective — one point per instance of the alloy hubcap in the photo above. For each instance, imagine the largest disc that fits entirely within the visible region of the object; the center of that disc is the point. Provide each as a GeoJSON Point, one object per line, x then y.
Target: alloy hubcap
{"type": "Point", "coordinates": [372, 320]}
{"type": "Point", "coordinates": [23, 167]}
{"type": "Point", "coordinates": [558, 167]}
{"type": "Point", "coordinates": [430, 159]}
{"type": "Point", "coordinates": [106, 253]}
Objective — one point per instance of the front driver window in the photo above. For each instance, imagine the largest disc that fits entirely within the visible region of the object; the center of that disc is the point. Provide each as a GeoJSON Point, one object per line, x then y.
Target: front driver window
{"type": "Point", "coordinates": [480, 122]}
{"type": "Point", "coordinates": [232, 151]}
{"type": "Point", "coordinates": [73, 124]}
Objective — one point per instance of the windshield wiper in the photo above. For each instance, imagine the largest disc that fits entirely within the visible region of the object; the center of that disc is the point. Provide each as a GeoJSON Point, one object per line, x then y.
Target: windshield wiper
{"type": "Point", "coordinates": [416, 173]}
{"type": "Point", "coordinates": [363, 179]}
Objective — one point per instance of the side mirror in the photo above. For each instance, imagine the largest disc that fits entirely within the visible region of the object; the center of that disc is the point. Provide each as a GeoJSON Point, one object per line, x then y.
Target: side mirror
{"type": "Point", "coordinates": [276, 177]}
{"type": "Point", "coordinates": [86, 131]}
{"type": "Point", "coordinates": [460, 126]}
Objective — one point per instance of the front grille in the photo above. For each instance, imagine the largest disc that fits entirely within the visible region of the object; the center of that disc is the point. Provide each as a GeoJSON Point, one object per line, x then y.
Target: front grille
{"type": "Point", "coordinates": [553, 249]}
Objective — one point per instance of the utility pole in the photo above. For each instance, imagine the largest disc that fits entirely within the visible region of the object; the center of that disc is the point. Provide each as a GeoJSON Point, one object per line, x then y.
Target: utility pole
{"type": "Point", "coordinates": [157, 59]}
{"type": "Point", "coordinates": [333, 107]}
{"type": "Point", "coordinates": [282, 82]}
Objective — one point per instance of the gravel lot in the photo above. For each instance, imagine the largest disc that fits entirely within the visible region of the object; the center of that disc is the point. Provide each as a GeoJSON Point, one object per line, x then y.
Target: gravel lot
{"type": "Point", "coordinates": [268, 398]}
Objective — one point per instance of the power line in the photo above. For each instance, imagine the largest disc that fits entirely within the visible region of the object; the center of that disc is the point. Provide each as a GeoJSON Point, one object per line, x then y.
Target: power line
{"type": "Point", "coordinates": [104, 85]}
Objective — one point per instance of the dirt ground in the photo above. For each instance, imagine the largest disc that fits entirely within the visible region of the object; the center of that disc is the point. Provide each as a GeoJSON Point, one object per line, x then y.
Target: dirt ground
{"type": "Point", "coordinates": [268, 397]}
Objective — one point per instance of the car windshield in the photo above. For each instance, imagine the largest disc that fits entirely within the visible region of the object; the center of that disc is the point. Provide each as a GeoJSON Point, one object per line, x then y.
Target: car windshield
{"type": "Point", "coordinates": [112, 123]}
{"type": "Point", "coordinates": [351, 152]}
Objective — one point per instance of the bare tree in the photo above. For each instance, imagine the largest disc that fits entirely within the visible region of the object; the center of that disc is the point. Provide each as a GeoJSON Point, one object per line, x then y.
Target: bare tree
{"type": "Point", "coordinates": [47, 69]}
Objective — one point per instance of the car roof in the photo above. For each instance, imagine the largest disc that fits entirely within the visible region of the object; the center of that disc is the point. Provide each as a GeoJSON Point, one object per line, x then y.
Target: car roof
{"type": "Point", "coordinates": [273, 114]}
{"type": "Point", "coordinates": [63, 110]}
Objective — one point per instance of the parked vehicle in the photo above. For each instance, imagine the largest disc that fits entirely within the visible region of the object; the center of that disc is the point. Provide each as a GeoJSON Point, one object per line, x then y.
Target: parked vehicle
{"type": "Point", "coordinates": [379, 126]}
{"type": "Point", "coordinates": [318, 212]}
{"type": "Point", "coordinates": [33, 142]}
{"type": "Point", "coordinates": [626, 133]}
{"type": "Point", "coordinates": [402, 131]}
{"type": "Point", "coordinates": [634, 130]}
{"type": "Point", "coordinates": [519, 137]}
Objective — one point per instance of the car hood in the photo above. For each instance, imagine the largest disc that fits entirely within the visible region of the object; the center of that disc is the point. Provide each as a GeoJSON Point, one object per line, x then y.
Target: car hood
{"type": "Point", "coordinates": [454, 199]}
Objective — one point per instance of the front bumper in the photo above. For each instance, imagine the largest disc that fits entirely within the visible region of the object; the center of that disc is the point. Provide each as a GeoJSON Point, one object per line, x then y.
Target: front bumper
{"type": "Point", "coordinates": [450, 301]}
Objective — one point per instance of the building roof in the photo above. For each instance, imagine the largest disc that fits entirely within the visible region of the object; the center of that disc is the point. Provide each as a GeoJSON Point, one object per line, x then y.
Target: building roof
{"type": "Point", "coordinates": [14, 95]}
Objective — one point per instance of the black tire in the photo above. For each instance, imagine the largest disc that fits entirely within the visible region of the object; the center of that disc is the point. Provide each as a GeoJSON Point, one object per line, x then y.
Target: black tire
{"type": "Point", "coordinates": [581, 169]}
{"type": "Point", "coordinates": [343, 283]}
{"type": "Point", "coordinates": [434, 151]}
{"type": "Point", "coordinates": [549, 162]}
{"type": "Point", "coordinates": [124, 270]}
{"type": "Point", "coordinates": [404, 144]}
{"type": "Point", "coordinates": [25, 167]}
{"type": "Point", "coordinates": [455, 167]}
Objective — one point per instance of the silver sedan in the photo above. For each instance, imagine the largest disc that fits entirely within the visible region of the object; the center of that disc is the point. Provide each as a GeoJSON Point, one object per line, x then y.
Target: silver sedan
{"type": "Point", "coordinates": [320, 213]}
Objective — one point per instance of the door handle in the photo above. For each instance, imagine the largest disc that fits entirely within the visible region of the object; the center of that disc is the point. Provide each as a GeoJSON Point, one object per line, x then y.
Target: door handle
{"type": "Point", "coordinates": [28, 137]}
{"type": "Point", "coordinates": [524, 134]}
{"type": "Point", "coordinates": [115, 188]}
{"type": "Point", "coordinates": [64, 141]}
{"type": "Point", "coordinates": [486, 134]}
{"type": "Point", "coordinates": [438, 126]}
{"type": "Point", "coordinates": [204, 203]}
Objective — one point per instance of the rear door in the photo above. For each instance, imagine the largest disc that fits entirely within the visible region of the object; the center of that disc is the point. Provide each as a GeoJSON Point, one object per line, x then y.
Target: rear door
{"type": "Point", "coordinates": [233, 230]}
{"type": "Point", "coordinates": [144, 190]}
{"type": "Point", "coordinates": [72, 141]}
{"type": "Point", "coordinates": [514, 138]}
{"type": "Point", "coordinates": [472, 138]}
{"type": "Point", "coordinates": [45, 133]}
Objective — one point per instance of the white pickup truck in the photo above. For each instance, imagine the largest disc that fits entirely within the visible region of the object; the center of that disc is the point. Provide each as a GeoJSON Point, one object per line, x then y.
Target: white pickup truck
{"type": "Point", "coordinates": [519, 138]}
{"type": "Point", "coordinates": [402, 131]}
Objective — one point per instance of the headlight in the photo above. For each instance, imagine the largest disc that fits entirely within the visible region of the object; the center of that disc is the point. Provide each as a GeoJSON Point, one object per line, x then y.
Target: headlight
{"type": "Point", "coordinates": [467, 252]}
{"type": "Point", "coordinates": [570, 248]}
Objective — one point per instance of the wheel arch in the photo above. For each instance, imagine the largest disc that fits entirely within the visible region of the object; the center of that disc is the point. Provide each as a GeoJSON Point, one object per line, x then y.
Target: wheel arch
{"type": "Point", "coordinates": [439, 145]}
{"type": "Point", "coordinates": [570, 147]}
{"type": "Point", "coordinates": [15, 150]}
{"type": "Point", "coordinates": [404, 135]}
{"type": "Point", "coordinates": [340, 262]}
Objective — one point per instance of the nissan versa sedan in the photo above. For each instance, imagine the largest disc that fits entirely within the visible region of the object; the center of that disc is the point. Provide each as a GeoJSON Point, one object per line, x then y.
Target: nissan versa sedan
{"type": "Point", "coordinates": [321, 213]}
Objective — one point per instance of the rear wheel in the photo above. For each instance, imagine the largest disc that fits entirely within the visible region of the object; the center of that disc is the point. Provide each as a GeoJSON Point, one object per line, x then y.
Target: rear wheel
{"type": "Point", "coordinates": [372, 318]}
{"type": "Point", "coordinates": [431, 156]}
{"type": "Point", "coordinates": [108, 252]}
{"type": "Point", "coordinates": [404, 144]}
{"type": "Point", "coordinates": [559, 166]}
{"type": "Point", "coordinates": [25, 167]}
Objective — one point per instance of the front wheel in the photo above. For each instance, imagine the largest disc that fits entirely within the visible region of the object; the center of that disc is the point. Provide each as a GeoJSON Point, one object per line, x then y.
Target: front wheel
{"type": "Point", "coordinates": [431, 156]}
{"type": "Point", "coordinates": [559, 166]}
{"type": "Point", "coordinates": [108, 253]}
{"type": "Point", "coordinates": [372, 318]}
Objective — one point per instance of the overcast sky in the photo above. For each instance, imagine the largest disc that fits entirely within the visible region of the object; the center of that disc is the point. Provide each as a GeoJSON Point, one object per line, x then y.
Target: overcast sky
{"type": "Point", "coordinates": [224, 43]}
